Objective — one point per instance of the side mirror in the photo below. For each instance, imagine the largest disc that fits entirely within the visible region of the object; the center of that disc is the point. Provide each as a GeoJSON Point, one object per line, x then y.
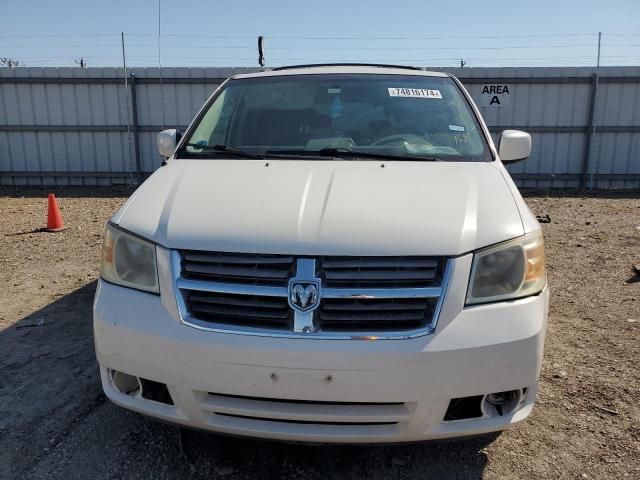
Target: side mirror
{"type": "Point", "coordinates": [514, 146]}
{"type": "Point", "coordinates": [167, 142]}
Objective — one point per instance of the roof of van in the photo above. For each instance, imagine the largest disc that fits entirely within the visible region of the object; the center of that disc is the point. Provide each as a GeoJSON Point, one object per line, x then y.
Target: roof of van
{"type": "Point", "coordinates": [342, 68]}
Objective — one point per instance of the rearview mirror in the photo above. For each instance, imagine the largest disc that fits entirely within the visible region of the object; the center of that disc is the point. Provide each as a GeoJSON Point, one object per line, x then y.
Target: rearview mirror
{"type": "Point", "coordinates": [514, 146]}
{"type": "Point", "coordinates": [167, 142]}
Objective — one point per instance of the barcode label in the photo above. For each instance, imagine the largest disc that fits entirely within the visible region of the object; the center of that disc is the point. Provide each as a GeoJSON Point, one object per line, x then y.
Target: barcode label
{"type": "Point", "coordinates": [414, 93]}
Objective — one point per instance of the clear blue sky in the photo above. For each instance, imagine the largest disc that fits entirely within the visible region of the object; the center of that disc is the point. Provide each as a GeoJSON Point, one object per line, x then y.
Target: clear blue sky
{"type": "Point", "coordinates": [419, 32]}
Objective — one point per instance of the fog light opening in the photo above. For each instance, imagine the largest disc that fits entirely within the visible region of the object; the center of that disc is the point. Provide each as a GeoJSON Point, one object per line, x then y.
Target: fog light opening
{"type": "Point", "coordinates": [502, 403]}
{"type": "Point", "coordinates": [464, 408]}
{"type": "Point", "coordinates": [156, 391]}
{"type": "Point", "coordinates": [125, 383]}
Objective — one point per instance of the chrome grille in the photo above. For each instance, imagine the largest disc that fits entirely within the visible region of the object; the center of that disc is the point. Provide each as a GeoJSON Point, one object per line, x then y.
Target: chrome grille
{"type": "Point", "coordinates": [237, 268]}
{"type": "Point", "coordinates": [380, 272]}
{"type": "Point", "coordinates": [360, 297]}
{"type": "Point", "coordinates": [249, 310]}
{"type": "Point", "coordinates": [356, 314]}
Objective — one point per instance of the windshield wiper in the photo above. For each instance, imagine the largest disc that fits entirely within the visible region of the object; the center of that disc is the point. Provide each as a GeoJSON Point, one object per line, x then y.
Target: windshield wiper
{"type": "Point", "coordinates": [224, 149]}
{"type": "Point", "coordinates": [329, 153]}
{"type": "Point", "coordinates": [346, 153]}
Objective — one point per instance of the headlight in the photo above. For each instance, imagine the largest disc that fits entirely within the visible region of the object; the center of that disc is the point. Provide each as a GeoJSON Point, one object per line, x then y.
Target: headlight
{"type": "Point", "coordinates": [129, 261]}
{"type": "Point", "coordinates": [509, 270]}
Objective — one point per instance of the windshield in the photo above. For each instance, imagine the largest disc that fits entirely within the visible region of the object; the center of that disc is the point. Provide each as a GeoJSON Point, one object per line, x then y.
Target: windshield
{"type": "Point", "coordinates": [403, 116]}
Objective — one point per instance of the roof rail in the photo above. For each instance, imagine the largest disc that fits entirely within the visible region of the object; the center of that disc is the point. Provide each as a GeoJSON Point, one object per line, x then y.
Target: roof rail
{"type": "Point", "coordinates": [378, 65]}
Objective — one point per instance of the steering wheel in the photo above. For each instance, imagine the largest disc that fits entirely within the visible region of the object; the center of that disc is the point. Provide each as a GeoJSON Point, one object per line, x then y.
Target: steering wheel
{"type": "Point", "coordinates": [409, 137]}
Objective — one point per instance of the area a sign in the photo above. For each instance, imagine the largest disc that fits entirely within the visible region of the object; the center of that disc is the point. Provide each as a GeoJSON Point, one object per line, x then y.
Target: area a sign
{"type": "Point", "coordinates": [495, 95]}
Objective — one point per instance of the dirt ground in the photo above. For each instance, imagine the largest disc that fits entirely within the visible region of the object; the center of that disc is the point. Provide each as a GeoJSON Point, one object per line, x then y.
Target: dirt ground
{"type": "Point", "coordinates": [56, 423]}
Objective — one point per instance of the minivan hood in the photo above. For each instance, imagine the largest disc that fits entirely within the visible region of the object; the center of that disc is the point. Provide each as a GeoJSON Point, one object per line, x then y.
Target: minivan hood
{"type": "Point", "coordinates": [324, 207]}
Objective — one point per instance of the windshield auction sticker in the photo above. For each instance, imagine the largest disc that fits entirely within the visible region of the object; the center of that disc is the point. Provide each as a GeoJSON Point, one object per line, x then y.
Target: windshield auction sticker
{"type": "Point", "coordinates": [414, 93]}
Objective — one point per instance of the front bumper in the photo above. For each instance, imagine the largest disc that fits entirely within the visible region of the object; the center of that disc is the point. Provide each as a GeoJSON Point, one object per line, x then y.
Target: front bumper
{"type": "Point", "coordinates": [339, 390]}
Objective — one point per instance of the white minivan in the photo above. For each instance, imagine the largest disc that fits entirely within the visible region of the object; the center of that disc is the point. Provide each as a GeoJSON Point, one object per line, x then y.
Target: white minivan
{"type": "Point", "coordinates": [330, 253]}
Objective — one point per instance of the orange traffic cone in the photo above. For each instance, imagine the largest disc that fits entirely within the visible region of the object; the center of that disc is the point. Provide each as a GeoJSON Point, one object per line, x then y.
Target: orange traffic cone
{"type": "Point", "coordinates": [54, 217]}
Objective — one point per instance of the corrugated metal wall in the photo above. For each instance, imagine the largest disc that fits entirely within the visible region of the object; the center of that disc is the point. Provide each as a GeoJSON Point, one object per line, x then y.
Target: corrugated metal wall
{"type": "Point", "coordinates": [68, 126]}
{"type": "Point", "coordinates": [553, 105]}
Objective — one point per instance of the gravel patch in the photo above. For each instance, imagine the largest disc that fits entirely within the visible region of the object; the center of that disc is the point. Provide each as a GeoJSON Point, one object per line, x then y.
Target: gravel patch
{"type": "Point", "coordinates": [56, 423]}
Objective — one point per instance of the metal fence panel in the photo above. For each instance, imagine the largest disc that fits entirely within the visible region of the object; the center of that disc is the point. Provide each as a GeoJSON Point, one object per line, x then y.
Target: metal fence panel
{"type": "Point", "coordinates": [69, 126]}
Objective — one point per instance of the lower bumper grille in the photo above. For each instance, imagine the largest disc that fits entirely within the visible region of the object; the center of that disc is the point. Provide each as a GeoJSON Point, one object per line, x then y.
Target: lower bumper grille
{"type": "Point", "coordinates": [304, 411]}
{"type": "Point", "coordinates": [304, 422]}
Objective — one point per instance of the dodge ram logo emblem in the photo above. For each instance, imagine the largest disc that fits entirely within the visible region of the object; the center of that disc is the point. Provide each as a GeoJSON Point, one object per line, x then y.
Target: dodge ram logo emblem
{"type": "Point", "coordinates": [303, 295]}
